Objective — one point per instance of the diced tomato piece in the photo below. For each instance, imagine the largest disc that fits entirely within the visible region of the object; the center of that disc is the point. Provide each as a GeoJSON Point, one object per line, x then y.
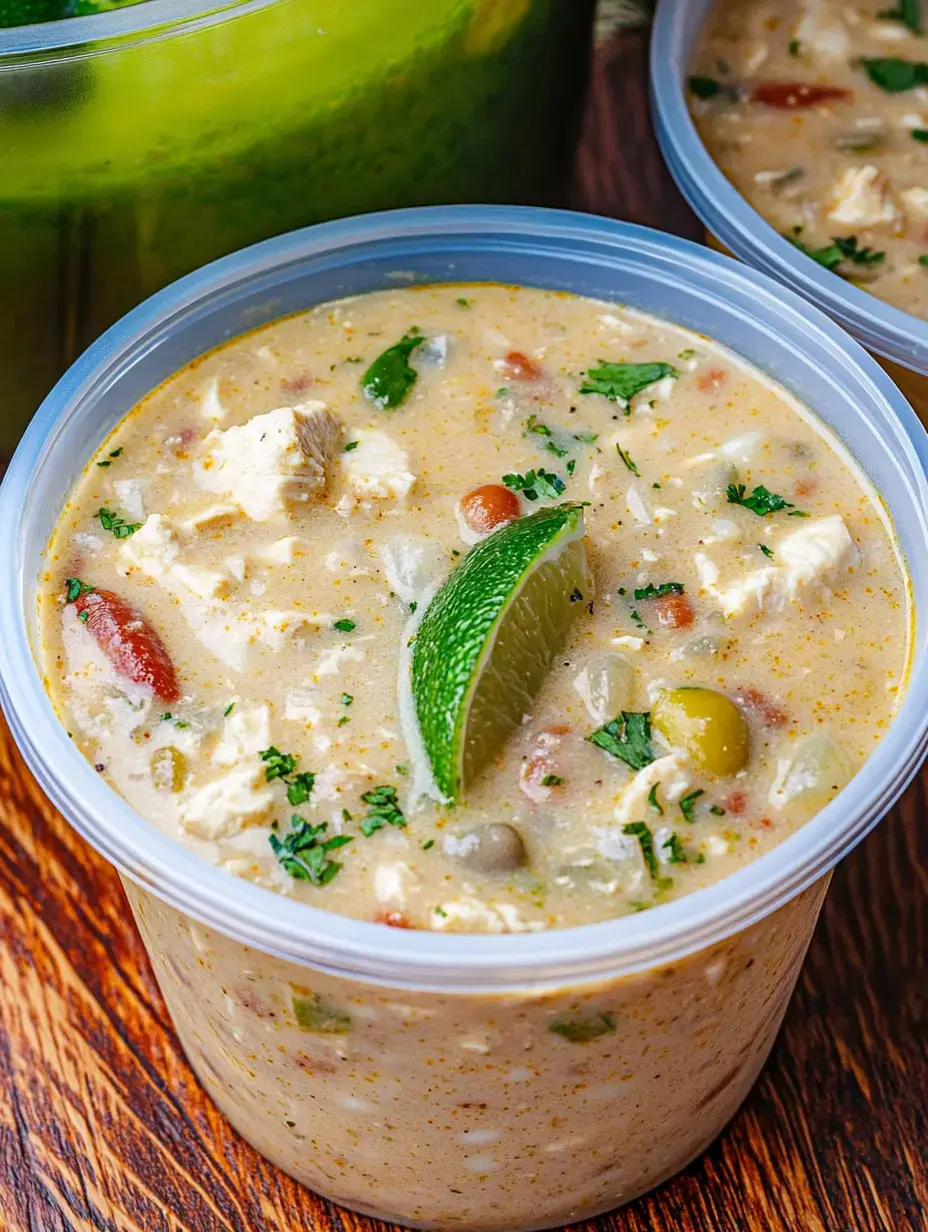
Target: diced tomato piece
{"type": "Point", "coordinates": [794, 95]}
{"type": "Point", "coordinates": [713, 379]}
{"type": "Point", "coordinates": [735, 802]}
{"type": "Point", "coordinates": [488, 507]}
{"type": "Point", "coordinates": [673, 611]}
{"type": "Point", "coordinates": [393, 919]}
{"type": "Point", "coordinates": [766, 710]}
{"type": "Point", "coordinates": [517, 366]}
{"type": "Point", "coordinates": [129, 642]}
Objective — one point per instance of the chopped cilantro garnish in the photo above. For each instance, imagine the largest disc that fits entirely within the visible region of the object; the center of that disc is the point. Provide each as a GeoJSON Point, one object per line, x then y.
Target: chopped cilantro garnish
{"type": "Point", "coordinates": [628, 737]}
{"type": "Point", "coordinates": [282, 766]}
{"type": "Point", "coordinates": [166, 717]}
{"type": "Point", "coordinates": [108, 460]}
{"type": "Point", "coordinates": [113, 522]}
{"type": "Point", "coordinates": [583, 1028]}
{"type": "Point", "coordinates": [552, 780]}
{"type": "Point", "coordinates": [688, 804]}
{"type": "Point", "coordinates": [228, 710]}
{"type": "Point", "coordinates": [428, 844]}
{"type": "Point", "coordinates": [463, 302]}
{"type": "Point", "coordinates": [627, 459]}
{"type": "Point", "coordinates": [894, 75]}
{"type": "Point", "coordinates": [841, 248]}
{"type": "Point", "coordinates": [536, 483]}
{"type": "Point", "coordinates": [919, 134]}
{"type": "Point", "coordinates": [347, 699]}
{"type": "Point", "coordinates": [571, 466]}
{"type": "Point", "coordinates": [442, 912]}
{"type": "Point", "coordinates": [687, 353]}
{"type": "Point", "coordinates": [342, 721]}
{"type": "Point", "coordinates": [716, 810]}
{"type": "Point", "coordinates": [638, 621]}
{"type": "Point", "coordinates": [304, 853]}
{"type": "Point", "coordinates": [907, 12]}
{"type": "Point", "coordinates": [383, 810]}
{"type": "Point", "coordinates": [534, 425]}
{"type": "Point", "coordinates": [620, 382]}
{"type": "Point", "coordinates": [654, 802]}
{"type": "Point", "coordinates": [923, 259]}
{"type": "Point", "coordinates": [350, 446]}
{"type": "Point", "coordinates": [558, 452]}
{"type": "Point", "coordinates": [760, 501]}
{"type": "Point", "coordinates": [76, 588]}
{"type": "Point", "coordinates": [402, 769]}
{"type": "Point", "coordinates": [675, 847]}
{"type": "Point", "coordinates": [766, 551]}
{"type": "Point", "coordinates": [586, 438]}
{"type": "Point", "coordinates": [657, 592]}
{"type": "Point", "coordinates": [390, 378]}
{"type": "Point", "coordinates": [299, 787]}
{"type": "Point", "coordinates": [793, 47]}
{"type": "Point", "coordinates": [642, 832]}
{"type": "Point", "coordinates": [344, 625]}
{"type": "Point", "coordinates": [705, 87]}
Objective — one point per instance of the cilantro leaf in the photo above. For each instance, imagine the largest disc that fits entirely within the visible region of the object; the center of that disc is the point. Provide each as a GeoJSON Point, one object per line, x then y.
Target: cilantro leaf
{"type": "Point", "coordinates": [536, 483]}
{"type": "Point", "coordinates": [304, 853]}
{"type": "Point", "coordinates": [620, 382]}
{"type": "Point", "coordinates": [627, 459]}
{"type": "Point", "coordinates": [113, 522]}
{"type": "Point", "coordinates": [383, 810]}
{"type": "Point", "coordinates": [642, 832]}
{"type": "Point", "coordinates": [688, 804]}
{"type": "Point", "coordinates": [907, 12]}
{"type": "Point", "coordinates": [299, 787]}
{"type": "Point", "coordinates": [76, 588]}
{"type": "Point", "coordinates": [277, 765]}
{"type": "Point", "coordinates": [677, 852]}
{"type": "Point", "coordinates": [390, 378]}
{"type": "Point", "coordinates": [923, 259]}
{"type": "Point", "coordinates": [628, 737]}
{"type": "Point", "coordinates": [344, 625]}
{"type": "Point", "coordinates": [657, 592]}
{"type": "Point", "coordinates": [760, 501]}
{"type": "Point", "coordinates": [841, 248]}
{"type": "Point", "coordinates": [654, 802]}
{"type": "Point", "coordinates": [894, 75]}
{"type": "Point", "coordinates": [766, 551]}
{"type": "Point", "coordinates": [705, 87]}
{"type": "Point", "coordinates": [919, 134]}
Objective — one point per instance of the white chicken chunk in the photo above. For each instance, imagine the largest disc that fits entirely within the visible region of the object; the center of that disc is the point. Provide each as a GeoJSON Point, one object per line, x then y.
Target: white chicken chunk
{"type": "Point", "coordinates": [377, 467]}
{"type": "Point", "coordinates": [245, 732]}
{"type": "Point", "coordinates": [225, 806]}
{"type": "Point", "coordinates": [412, 563]}
{"type": "Point", "coordinates": [862, 198]}
{"type": "Point", "coordinates": [275, 462]}
{"type": "Point", "coordinates": [670, 773]}
{"type": "Point", "coordinates": [821, 32]}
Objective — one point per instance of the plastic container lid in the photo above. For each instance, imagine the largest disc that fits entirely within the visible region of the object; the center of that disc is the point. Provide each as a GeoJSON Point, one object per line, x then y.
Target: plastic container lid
{"type": "Point", "coordinates": [881, 327]}
{"type": "Point", "coordinates": [778, 331]}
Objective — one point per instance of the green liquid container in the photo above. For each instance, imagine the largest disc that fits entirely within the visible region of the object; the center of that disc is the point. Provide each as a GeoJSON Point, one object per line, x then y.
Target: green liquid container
{"type": "Point", "coordinates": [138, 143]}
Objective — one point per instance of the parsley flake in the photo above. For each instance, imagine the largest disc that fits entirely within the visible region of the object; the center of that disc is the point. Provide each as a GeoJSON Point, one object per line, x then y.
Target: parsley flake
{"type": "Point", "coordinates": [759, 501]}
{"type": "Point", "coordinates": [344, 625]}
{"type": "Point", "coordinates": [628, 737]}
{"type": "Point", "coordinates": [766, 551]}
{"type": "Point", "coordinates": [383, 810]}
{"type": "Point", "coordinates": [907, 12]}
{"type": "Point", "coordinates": [919, 134]}
{"type": "Point", "coordinates": [228, 710]}
{"type": "Point", "coordinates": [654, 802]}
{"type": "Point", "coordinates": [627, 459]}
{"type": "Point", "coordinates": [552, 780]}
{"type": "Point", "coordinates": [657, 592]}
{"type": "Point", "coordinates": [688, 804]}
{"type": "Point", "coordinates": [642, 832]}
{"type": "Point", "coordinates": [677, 852]}
{"type": "Point", "coordinates": [893, 75]}
{"type": "Point", "coordinates": [304, 852]}
{"type": "Point", "coordinates": [76, 588]}
{"type": "Point", "coordinates": [282, 766]}
{"type": "Point", "coordinates": [705, 87]}
{"type": "Point", "coordinates": [120, 528]}
{"type": "Point", "coordinates": [463, 302]}
{"type": "Point", "coordinates": [536, 483]}
{"type": "Point", "coordinates": [346, 699]}
{"type": "Point", "coordinates": [620, 382]}
{"type": "Point", "coordinates": [390, 378]}
{"type": "Point", "coordinates": [352, 445]}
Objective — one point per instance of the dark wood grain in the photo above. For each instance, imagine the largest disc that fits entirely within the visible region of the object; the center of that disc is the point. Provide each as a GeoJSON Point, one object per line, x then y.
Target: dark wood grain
{"type": "Point", "coordinates": [103, 1127]}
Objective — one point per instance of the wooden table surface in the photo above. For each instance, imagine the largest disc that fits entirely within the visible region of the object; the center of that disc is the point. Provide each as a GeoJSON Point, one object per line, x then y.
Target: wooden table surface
{"type": "Point", "coordinates": [103, 1127]}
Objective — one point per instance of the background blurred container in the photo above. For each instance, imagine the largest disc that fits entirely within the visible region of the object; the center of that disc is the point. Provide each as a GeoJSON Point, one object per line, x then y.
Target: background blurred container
{"type": "Point", "coordinates": [137, 144]}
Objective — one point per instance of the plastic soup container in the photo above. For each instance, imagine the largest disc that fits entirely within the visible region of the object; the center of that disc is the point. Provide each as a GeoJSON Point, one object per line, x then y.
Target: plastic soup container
{"type": "Point", "coordinates": [897, 338]}
{"type": "Point", "coordinates": [434, 1086]}
{"type": "Point", "coordinates": [137, 144]}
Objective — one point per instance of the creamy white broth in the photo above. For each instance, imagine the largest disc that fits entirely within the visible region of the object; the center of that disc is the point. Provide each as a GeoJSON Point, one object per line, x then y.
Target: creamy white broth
{"type": "Point", "coordinates": [244, 580]}
{"type": "Point", "coordinates": [852, 166]}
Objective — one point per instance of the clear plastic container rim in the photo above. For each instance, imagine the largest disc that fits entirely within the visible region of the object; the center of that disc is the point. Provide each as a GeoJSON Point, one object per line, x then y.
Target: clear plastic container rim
{"type": "Point", "coordinates": [353, 948]}
{"type": "Point", "coordinates": [98, 33]}
{"type": "Point", "coordinates": [881, 327]}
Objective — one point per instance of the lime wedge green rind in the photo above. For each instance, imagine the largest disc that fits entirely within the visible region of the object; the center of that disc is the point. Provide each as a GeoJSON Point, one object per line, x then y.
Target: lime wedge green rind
{"type": "Point", "coordinates": [487, 641]}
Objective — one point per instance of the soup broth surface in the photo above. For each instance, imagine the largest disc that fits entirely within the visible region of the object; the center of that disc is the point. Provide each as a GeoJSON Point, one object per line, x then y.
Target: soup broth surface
{"type": "Point", "coordinates": [277, 534]}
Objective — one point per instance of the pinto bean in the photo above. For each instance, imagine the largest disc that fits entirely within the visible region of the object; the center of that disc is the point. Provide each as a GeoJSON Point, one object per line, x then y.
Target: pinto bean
{"type": "Point", "coordinates": [129, 642]}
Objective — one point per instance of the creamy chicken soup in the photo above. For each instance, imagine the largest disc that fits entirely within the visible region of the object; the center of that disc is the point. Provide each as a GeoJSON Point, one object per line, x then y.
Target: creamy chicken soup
{"type": "Point", "coordinates": [475, 608]}
{"type": "Point", "coordinates": [817, 111]}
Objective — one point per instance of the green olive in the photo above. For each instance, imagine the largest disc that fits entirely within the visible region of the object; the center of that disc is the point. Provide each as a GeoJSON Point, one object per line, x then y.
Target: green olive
{"type": "Point", "coordinates": [707, 724]}
{"type": "Point", "coordinates": [168, 769]}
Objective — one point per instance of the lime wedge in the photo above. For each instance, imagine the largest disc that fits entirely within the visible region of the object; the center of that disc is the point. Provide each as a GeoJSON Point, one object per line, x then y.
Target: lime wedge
{"type": "Point", "coordinates": [487, 640]}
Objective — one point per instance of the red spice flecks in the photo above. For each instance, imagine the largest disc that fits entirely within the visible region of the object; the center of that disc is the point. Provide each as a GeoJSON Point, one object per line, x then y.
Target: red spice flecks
{"type": "Point", "coordinates": [735, 802]}
{"type": "Point", "coordinates": [393, 919]}
{"type": "Point", "coordinates": [674, 611]}
{"type": "Point", "coordinates": [714, 379]}
{"type": "Point", "coordinates": [297, 384]}
{"type": "Point", "coordinates": [129, 642]}
{"type": "Point", "coordinates": [765, 709]}
{"type": "Point", "coordinates": [489, 506]}
{"type": "Point", "coordinates": [517, 366]}
{"type": "Point", "coordinates": [805, 487]}
{"type": "Point", "coordinates": [796, 95]}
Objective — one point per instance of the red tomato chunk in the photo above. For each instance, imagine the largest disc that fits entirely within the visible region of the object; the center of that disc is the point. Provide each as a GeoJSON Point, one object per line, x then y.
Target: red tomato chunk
{"type": "Point", "coordinates": [673, 611]}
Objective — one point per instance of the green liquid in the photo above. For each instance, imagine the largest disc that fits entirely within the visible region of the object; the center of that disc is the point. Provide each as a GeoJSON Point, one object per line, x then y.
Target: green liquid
{"type": "Point", "coordinates": [122, 171]}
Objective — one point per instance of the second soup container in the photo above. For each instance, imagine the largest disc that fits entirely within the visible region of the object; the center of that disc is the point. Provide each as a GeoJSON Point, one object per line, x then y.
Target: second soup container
{"type": "Point", "coordinates": [439, 1095]}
